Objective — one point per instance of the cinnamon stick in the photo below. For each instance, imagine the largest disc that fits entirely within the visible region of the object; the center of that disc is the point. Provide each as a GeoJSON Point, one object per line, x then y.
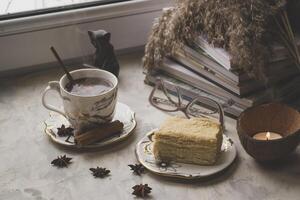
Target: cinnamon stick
{"type": "Point", "coordinates": [102, 132]}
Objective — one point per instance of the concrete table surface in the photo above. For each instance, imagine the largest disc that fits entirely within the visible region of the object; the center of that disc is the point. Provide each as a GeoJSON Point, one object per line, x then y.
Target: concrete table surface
{"type": "Point", "coordinates": [26, 153]}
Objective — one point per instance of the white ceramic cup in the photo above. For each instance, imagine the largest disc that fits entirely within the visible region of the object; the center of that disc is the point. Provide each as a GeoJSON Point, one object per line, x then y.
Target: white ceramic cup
{"type": "Point", "coordinates": [85, 111]}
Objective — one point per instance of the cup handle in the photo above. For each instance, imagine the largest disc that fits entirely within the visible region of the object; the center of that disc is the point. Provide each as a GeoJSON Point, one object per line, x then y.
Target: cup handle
{"type": "Point", "coordinates": [52, 85]}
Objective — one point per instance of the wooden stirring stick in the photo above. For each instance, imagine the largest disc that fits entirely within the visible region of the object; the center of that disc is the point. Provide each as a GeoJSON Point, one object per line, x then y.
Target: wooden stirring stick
{"type": "Point", "coordinates": [62, 65]}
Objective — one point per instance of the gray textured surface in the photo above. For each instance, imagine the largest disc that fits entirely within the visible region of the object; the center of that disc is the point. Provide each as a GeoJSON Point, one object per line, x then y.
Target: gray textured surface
{"type": "Point", "coordinates": [26, 153]}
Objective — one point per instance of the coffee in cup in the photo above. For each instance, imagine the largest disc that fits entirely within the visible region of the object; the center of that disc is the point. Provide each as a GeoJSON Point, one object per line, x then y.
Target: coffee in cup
{"type": "Point", "coordinates": [91, 101]}
{"type": "Point", "coordinates": [88, 86]}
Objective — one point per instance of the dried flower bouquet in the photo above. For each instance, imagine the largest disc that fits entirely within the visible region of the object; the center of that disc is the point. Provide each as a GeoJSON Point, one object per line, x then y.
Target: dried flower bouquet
{"type": "Point", "coordinates": [244, 28]}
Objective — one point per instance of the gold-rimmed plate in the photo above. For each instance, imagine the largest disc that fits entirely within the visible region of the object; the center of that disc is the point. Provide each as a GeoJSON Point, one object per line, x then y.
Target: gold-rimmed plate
{"type": "Point", "coordinates": [123, 114]}
{"type": "Point", "coordinates": [146, 157]}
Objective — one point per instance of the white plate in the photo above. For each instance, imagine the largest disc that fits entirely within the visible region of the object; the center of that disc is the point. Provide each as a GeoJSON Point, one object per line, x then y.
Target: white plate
{"type": "Point", "coordinates": [123, 114]}
{"type": "Point", "coordinates": [180, 170]}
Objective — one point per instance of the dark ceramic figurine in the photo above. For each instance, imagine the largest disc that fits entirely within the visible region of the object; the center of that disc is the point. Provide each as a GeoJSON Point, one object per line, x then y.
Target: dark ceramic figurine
{"type": "Point", "coordinates": [105, 57]}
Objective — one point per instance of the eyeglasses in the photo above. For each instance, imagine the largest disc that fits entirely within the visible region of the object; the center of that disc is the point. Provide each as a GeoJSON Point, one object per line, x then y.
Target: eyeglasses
{"type": "Point", "coordinates": [174, 102]}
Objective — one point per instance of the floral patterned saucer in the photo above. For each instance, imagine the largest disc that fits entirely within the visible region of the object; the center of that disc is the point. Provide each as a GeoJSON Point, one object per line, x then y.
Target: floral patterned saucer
{"type": "Point", "coordinates": [123, 114]}
{"type": "Point", "coordinates": [180, 170]}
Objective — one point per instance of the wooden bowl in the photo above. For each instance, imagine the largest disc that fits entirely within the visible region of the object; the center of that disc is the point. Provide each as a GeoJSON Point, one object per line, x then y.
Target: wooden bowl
{"type": "Point", "coordinates": [273, 117]}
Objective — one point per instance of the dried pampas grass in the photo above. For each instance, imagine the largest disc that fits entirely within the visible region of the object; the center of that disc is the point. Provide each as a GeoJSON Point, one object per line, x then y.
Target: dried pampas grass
{"type": "Point", "coordinates": [244, 28]}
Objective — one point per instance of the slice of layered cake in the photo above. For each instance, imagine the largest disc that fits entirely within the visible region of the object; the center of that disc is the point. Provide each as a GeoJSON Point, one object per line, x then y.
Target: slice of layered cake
{"type": "Point", "coordinates": [194, 141]}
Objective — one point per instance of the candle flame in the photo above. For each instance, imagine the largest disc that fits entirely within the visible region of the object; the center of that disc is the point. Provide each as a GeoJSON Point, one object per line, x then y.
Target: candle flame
{"type": "Point", "coordinates": [268, 135]}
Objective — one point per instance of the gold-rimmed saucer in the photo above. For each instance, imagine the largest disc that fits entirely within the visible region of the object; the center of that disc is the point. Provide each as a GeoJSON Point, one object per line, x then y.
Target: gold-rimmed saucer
{"type": "Point", "coordinates": [180, 170]}
{"type": "Point", "coordinates": [123, 114]}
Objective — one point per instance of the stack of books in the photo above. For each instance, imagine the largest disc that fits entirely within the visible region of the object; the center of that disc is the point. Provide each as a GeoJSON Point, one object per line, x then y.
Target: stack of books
{"type": "Point", "coordinates": [201, 69]}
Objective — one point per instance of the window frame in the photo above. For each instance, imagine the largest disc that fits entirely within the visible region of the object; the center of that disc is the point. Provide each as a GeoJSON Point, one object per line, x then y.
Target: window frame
{"type": "Point", "coordinates": [56, 9]}
{"type": "Point", "coordinates": [78, 16]}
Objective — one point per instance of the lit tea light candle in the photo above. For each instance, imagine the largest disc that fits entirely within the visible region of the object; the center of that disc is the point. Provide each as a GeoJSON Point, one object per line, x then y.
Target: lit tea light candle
{"type": "Point", "coordinates": [267, 136]}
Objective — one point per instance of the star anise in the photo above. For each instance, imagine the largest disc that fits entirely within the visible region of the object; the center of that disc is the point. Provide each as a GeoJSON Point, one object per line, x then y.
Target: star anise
{"type": "Point", "coordinates": [99, 172]}
{"type": "Point", "coordinates": [61, 161]}
{"type": "Point", "coordinates": [141, 190]}
{"type": "Point", "coordinates": [138, 169]}
{"type": "Point", "coordinates": [63, 131]}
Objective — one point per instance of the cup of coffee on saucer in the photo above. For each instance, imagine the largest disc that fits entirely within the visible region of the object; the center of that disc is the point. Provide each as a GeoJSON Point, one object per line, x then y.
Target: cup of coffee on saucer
{"type": "Point", "coordinates": [89, 101]}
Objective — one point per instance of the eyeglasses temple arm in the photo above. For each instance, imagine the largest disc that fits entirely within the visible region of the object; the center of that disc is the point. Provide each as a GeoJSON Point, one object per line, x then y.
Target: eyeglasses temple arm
{"type": "Point", "coordinates": [219, 107]}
